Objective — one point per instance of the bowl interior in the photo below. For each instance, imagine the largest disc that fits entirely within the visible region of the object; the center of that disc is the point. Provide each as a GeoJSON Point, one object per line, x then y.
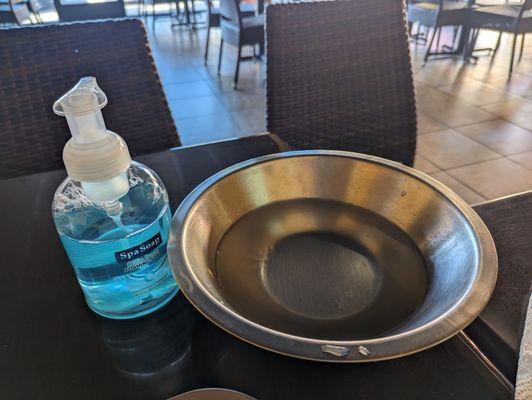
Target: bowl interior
{"type": "Point", "coordinates": [330, 247]}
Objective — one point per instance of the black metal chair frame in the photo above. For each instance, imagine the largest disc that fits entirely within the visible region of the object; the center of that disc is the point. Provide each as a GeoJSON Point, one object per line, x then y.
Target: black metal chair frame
{"type": "Point", "coordinates": [437, 19]}
{"type": "Point", "coordinates": [90, 11]}
{"type": "Point", "coordinates": [478, 22]}
{"type": "Point", "coordinates": [213, 21]}
{"type": "Point", "coordinates": [234, 31]}
{"type": "Point", "coordinates": [35, 7]}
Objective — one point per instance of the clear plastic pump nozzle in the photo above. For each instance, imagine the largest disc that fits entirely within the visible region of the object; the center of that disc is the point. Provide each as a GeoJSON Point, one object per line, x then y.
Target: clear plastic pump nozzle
{"type": "Point", "coordinates": [96, 157]}
{"type": "Point", "coordinates": [81, 106]}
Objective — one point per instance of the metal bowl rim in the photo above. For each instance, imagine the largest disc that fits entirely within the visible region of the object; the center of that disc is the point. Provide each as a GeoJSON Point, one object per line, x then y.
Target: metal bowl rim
{"type": "Point", "coordinates": [462, 313]}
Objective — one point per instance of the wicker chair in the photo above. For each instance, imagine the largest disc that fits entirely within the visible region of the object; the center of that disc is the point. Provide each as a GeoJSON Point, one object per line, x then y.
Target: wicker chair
{"type": "Point", "coordinates": [339, 77]}
{"type": "Point", "coordinates": [84, 11]}
{"type": "Point", "coordinates": [42, 63]}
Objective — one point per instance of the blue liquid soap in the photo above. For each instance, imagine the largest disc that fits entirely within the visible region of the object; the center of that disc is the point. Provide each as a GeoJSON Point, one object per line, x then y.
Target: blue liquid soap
{"type": "Point", "coordinates": [111, 213]}
{"type": "Point", "coordinates": [118, 249]}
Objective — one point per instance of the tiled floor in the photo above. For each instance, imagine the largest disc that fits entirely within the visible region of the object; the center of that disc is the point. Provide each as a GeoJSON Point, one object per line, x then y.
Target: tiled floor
{"type": "Point", "coordinates": [475, 127]}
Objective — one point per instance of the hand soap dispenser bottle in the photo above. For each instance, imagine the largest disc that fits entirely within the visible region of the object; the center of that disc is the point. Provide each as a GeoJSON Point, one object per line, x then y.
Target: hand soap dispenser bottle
{"type": "Point", "coordinates": [111, 213]}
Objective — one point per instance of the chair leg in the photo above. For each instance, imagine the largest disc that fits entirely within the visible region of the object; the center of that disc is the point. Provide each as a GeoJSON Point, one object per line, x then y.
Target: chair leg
{"type": "Point", "coordinates": [522, 46]}
{"type": "Point", "coordinates": [220, 55]}
{"type": "Point", "coordinates": [39, 18]}
{"type": "Point", "coordinates": [512, 56]}
{"type": "Point", "coordinates": [239, 56]}
{"type": "Point", "coordinates": [438, 39]}
{"type": "Point", "coordinates": [427, 54]}
{"type": "Point", "coordinates": [207, 46]}
{"type": "Point", "coordinates": [416, 35]}
{"type": "Point", "coordinates": [455, 34]}
{"type": "Point", "coordinates": [473, 43]}
{"type": "Point", "coordinates": [498, 44]}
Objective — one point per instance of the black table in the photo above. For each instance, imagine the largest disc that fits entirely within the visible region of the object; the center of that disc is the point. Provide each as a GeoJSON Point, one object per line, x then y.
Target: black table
{"type": "Point", "coordinates": [53, 346]}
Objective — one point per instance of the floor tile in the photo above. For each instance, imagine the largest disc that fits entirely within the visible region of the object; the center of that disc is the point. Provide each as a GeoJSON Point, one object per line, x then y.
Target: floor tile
{"type": "Point", "coordinates": [495, 178]}
{"type": "Point", "coordinates": [525, 159]}
{"type": "Point", "coordinates": [196, 106]}
{"type": "Point", "coordinates": [444, 72]}
{"type": "Point", "coordinates": [477, 93]}
{"type": "Point", "coordinates": [516, 111]}
{"type": "Point", "coordinates": [518, 84]}
{"type": "Point", "coordinates": [202, 130]}
{"type": "Point", "coordinates": [176, 91]}
{"type": "Point", "coordinates": [426, 124]}
{"type": "Point", "coordinates": [424, 165]}
{"type": "Point", "coordinates": [482, 71]}
{"type": "Point", "coordinates": [171, 74]}
{"type": "Point", "coordinates": [449, 149]}
{"type": "Point", "coordinates": [459, 188]}
{"type": "Point", "coordinates": [238, 100]}
{"type": "Point", "coordinates": [251, 121]}
{"type": "Point", "coordinates": [436, 72]}
{"type": "Point", "coordinates": [448, 109]}
{"type": "Point", "coordinates": [500, 136]}
{"type": "Point", "coordinates": [245, 85]}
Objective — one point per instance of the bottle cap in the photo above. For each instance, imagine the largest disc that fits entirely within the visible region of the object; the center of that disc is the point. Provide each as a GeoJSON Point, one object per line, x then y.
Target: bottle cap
{"type": "Point", "coordinates": [96, 157]}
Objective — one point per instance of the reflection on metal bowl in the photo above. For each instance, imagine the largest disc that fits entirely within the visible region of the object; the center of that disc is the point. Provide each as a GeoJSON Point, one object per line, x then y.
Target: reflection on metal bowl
{"type": "Point", "coordinates": [212, 394]}
{"type": "Point", "coordinates": [332, 256]}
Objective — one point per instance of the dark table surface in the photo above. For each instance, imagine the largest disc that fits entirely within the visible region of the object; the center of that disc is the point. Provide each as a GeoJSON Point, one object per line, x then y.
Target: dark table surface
{"type": "Point", "coordinates": [53, 346]}
{"type": "Point", "coordinates": [499, 328]}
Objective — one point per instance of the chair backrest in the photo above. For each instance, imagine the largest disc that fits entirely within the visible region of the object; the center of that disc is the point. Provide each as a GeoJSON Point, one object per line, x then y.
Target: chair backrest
{"type": "Point", "coordinates": [42, 63]}
{"type": "Point", "coordinates": [339, 77]}
{"type": "Point", "coordinates": [230, 11]}
{"type": "Point", "coordinates": [84, 11]}
{"type": "Point", "coordinates": [213, 15]}
{"type": "Point", "coordinates": [438, 2]}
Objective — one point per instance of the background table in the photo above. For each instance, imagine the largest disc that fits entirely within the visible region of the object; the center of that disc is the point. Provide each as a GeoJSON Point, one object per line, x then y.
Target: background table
{"type": "Point", "coordinates": [53, 346]}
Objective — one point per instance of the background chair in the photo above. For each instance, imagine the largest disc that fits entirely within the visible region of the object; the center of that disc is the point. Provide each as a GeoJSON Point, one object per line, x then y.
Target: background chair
{"type": "Point", "coordinates": [83, 11]}
{"type": "Point", "coordinates": [239, 31]}
{"type": "Point", "coordinates": [436, 14]}
{"type": "Point", "coordinates": [13, 12]}
{"type": "Point", "coordinates": [510, 18]}
{"type": "Point", "coordinates": [35, 7]}
{"type": "Point", "coordinates": [41, 63]}
{"type": "Point", "coordinates": [213, 20]}
{"type": "Point", "coordinates": [344, 83]}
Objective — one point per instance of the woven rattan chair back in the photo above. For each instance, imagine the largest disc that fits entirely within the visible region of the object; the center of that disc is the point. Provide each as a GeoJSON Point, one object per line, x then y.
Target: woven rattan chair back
{"type": "Point", "coordinates": [41, 63]}
{"type": "Point", "coordinates": [339, 77]}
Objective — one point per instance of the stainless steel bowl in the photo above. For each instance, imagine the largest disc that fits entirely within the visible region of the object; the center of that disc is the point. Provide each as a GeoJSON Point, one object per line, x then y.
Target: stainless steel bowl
{"type": "Point", "coordinates": [332, 256]}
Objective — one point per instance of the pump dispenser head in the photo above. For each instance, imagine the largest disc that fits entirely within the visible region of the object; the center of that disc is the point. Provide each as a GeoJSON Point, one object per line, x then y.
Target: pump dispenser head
{"type": "Point", "coordinates": [96, 157]}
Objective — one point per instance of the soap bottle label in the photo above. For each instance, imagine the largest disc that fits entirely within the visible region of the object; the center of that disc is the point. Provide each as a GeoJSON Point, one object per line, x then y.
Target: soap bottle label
{"type": "Point", "coordinates": [141, 250]}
